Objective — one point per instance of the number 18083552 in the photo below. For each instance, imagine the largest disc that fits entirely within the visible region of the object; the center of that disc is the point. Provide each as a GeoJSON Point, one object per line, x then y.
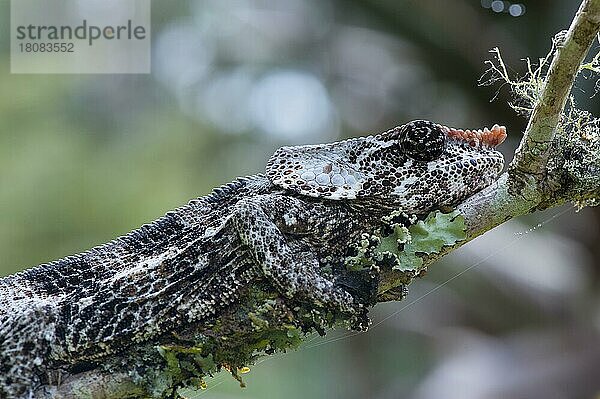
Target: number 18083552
{"type": "Point", "coordinates": [46, 47]}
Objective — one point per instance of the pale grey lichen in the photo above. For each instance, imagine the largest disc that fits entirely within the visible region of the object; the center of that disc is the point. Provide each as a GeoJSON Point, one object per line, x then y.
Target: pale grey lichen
{"type": "Point", "coordinates": [574, 168]}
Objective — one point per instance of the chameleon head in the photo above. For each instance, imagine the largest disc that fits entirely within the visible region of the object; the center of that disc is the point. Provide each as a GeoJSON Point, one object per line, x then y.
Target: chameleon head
{"type": "Point", "coordinates": [441, 166]}
{"type": "Point", "coordinates": [414, 167]}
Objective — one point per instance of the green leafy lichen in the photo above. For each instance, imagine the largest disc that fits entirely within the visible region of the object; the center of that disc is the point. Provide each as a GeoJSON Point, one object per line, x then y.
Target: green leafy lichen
{"type": "Point", "coordinates": [399, 248]}
{"type": "Point", "coordinates": [423, 238]}
{"type": "Point", "coordinates": [408, 242]}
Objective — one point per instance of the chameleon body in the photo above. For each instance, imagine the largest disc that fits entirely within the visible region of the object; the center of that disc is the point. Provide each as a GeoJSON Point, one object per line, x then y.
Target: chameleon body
{"type": "Point", "coordinates": [283, 226]}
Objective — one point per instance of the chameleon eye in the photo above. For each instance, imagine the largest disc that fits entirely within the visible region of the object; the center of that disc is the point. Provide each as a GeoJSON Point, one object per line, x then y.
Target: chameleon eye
{"type": "Point", "coordinates": [422, 140]}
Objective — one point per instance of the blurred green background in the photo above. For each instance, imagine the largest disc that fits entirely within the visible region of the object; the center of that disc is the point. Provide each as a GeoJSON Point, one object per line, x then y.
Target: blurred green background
{"type": "Point", "coordinates": [84, 158]}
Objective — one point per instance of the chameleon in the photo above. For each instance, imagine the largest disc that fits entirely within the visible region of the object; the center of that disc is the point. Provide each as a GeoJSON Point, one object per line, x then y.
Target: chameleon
{"type": "Point", "coordinates": [284, 226]}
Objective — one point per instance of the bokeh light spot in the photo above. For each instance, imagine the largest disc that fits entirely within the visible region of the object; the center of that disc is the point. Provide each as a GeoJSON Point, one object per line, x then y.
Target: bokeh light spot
{"type": "Point", "coordinates": [516, 10]}
{"type": "Point", "coordinates": [486, 3]}
{"type": "Point", "coordinates": [498, 6]}
{"type": "Point", "coordinates": [291, 105]}
{"type": "Point", "coordinates": [181, 57]}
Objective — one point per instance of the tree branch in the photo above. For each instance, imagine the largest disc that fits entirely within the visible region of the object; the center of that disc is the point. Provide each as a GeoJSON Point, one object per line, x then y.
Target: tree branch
{"type": "Point", "coordinates": [557, 161]}
{"type": "Point", "coordinates": [533, 152]}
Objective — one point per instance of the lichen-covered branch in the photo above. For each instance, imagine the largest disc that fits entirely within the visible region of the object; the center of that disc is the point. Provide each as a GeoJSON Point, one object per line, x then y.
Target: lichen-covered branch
{"type": "Point", "coordinates": [557, 161]}
{"type": "Point", "coordinates": [535, 148]}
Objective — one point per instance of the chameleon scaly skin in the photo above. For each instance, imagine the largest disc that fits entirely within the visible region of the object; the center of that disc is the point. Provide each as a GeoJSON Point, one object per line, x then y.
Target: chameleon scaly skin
{"type": "Point", "coordinates": [285, 226]}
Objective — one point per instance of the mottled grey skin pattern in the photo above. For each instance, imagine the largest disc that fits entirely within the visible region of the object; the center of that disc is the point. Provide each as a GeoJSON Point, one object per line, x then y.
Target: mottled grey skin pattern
{"type": "Point", "coordinates": [312, 204]}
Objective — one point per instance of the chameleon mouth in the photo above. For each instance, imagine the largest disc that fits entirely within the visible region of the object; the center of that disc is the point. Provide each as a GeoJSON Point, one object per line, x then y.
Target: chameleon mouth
{"type": "Point", "coordinates": [478, 138]}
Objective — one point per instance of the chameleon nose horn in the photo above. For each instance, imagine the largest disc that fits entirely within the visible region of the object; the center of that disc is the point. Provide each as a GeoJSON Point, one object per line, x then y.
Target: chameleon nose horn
{"type": "Point", "coordinates": [475, 138]}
